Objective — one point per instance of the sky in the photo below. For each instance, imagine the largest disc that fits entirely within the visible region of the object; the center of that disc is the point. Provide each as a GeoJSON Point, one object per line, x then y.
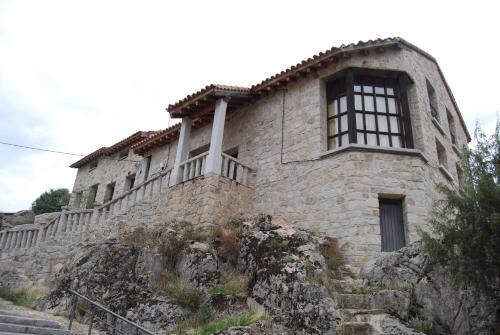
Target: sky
{"type": "Point", "coordinates": [78, 75]}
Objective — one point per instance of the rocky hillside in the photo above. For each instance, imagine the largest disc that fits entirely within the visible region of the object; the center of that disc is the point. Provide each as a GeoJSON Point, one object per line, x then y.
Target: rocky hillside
{"type": "Point", "coordinates": [264, 277]}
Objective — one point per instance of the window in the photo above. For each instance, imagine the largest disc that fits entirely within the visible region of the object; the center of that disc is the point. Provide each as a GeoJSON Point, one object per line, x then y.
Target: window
{"type": "Point", "coordinates": [129, 182]}
{"type": "Point", "coordinates": [92, 196]}
{"type": "Point", "coordinates": [451, 126]}
{"type": "Point", "coordinates": [93, 165]}
{"type": "Point", "coordinates": [392, 230]}
{"type": "Point", "coordinates": [433, 105]}
{"type": "Point", "coordinates": [441, 153]}
{"type": "Point", "coordinates": [123, 154]}
{"type": "Point", "coordinates": [110, 190]}
{"type": "Point", "coordinates": [368, 109]}
{"type": "Point", "coordinates": [199, 150]}
{"type": "Point", "coordinates": [147, 168]}
{"type": "Point", "coordinates": [78, 199]}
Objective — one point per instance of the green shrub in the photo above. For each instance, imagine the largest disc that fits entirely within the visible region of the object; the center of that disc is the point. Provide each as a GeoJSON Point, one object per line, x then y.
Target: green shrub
{"type": "Point", "coordinates": [186, 297]}
{"type": "Point", "coordinates": [235, 284]}
{"type": "Point", "coordinates": [51, 201]}
{"type": "Point", "coordinates": [22, 296]}
{"type": "Point", "coordinates": [220, 325]}
{"type": "Point", "coordinates": [334, 258]}
{"type": "Point", "coordinates": [466, 222]}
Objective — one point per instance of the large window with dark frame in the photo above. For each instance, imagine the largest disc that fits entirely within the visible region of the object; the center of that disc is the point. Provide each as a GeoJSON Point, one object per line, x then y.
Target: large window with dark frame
{"type": "Point", "coordinates": [368, 109]}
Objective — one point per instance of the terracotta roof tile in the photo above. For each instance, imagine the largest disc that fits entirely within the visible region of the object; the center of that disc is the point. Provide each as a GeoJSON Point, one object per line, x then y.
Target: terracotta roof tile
{"type": "Point", "coordinates": [108, 151]}
{"type": "Point", "coordinates": [160, 137]}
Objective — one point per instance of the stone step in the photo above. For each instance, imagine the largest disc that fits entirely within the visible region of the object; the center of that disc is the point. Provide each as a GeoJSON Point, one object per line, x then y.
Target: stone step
{"type": "Point", "coordinates": [24, 329]}
{"type": "Point", "coordinates": [351, 315]}
{"type": "Point", "coordinates": [354, 301]}
{"type": "Point", "coordinates": [29, 321]}
{"type": "Point", "coordinates": [357, 328]}
{"type": "Point", "coordinates": [346, 286]}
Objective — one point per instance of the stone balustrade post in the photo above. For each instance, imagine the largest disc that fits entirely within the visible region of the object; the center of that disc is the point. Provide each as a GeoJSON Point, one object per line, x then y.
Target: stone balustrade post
{"type": "Point", "coordinates": [182, 150]}
{"type": "Point", "coordinates": [214, 158]}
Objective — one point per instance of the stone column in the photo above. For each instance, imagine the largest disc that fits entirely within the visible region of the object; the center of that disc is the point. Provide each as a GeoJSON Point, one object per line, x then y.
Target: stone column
{"type": "Point", "coordinates": [214, 159]}
{"type": "Point", "coordinates": [182, 150]}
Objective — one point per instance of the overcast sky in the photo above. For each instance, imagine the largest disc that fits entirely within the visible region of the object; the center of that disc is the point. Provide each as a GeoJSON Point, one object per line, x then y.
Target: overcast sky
{"type": "Point", "coordinates": [78, 75]}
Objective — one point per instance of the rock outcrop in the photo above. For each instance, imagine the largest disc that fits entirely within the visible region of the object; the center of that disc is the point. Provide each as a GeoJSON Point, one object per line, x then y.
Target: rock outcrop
{"type": "Point", "coordinates": [277, 261]}
{"type": "Point", "coordinates": [443, 307]}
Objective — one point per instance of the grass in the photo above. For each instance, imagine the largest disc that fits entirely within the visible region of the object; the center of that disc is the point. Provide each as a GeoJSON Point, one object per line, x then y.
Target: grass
{"type": "Point", "coordinates": [171, 285]}
{"type": "Point", "coordinates": [195, 327]}
{"type": "Point", "coordinates": [22, 296]}
{"type": "Point", "coordinates": [236, 285]}
{"type": "Point", "coordinates": [226, 243]}
{"type": "Point", "coordinates": [334, 258]}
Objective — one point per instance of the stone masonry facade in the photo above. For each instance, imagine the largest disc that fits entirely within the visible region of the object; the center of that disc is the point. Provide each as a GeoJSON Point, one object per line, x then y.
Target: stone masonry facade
{"type": "Point", "coordinates": [276, 160]}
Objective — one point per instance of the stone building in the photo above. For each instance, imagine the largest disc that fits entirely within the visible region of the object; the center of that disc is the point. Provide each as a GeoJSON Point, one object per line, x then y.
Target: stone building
{"type": "Point", "coordinates": [350, 143]}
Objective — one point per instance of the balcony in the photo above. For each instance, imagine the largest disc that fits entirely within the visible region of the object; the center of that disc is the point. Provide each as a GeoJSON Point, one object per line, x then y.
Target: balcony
{"type": "Point", "coordinates": [230, 168]}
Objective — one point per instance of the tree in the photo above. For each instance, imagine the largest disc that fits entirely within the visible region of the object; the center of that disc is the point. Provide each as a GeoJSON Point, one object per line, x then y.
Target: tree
{"type": "Point", "coordinates": [466, 223]}
{"type": "Point", "coordinates": [51, 201]}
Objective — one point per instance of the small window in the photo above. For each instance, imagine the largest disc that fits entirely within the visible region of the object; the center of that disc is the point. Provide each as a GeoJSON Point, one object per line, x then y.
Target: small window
{"type": "Point", "coordinates": [433, 105]}
{"type": "Point", "coordinates": [199, 150]}
{"type": "Point", "coordinates": [451, 126]}
{"type": "Point", "coordinates": [147, 167]}
{"type": "Point", "coordinates": [78, 199]}
{"type": "Point", "coordinates": [129, 182]}
{"type": "Point", "coordinates": [441, 154]}
{"type": "Point", "coordinates": [92, 195]}
{"type": "Point", "coordinates": [123, 154]}
{"type": "Point", "coordinates": [110, 190]}
{"type": "Point", "coordinates": [93, 165]}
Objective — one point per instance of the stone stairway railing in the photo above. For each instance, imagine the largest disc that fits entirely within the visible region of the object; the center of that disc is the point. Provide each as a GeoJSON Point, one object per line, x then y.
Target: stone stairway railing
{"type": "Point", "coordinates": [82, 219]}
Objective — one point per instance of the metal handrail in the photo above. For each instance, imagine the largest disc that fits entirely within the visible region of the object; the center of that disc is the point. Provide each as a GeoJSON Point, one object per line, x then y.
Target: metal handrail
{"type": "Point", "coordinates": [104, 309]}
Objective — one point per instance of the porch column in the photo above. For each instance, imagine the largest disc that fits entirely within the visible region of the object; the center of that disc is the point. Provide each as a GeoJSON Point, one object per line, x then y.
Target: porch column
{"type": "Point", "coordinates": [214, 158]}
{"type": "Point", "coordinates": [182, 150]}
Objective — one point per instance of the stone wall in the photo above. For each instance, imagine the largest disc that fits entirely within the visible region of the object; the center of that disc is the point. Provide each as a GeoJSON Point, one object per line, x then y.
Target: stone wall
{"type": "Point", "coordinates": [109, 169]}
{"type": "Point", "coordinates": [203, 201]}
{"type": "Point", "coordinates": [284, 138]}
{"type": "Point", "coordinates": [337, 192]}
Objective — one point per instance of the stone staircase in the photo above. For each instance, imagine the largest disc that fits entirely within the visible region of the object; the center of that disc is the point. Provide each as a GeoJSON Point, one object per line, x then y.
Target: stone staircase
{"type": "Point", "coordinates": [373, 312]}
{"type": "Point", "coordinates": [11, 324]}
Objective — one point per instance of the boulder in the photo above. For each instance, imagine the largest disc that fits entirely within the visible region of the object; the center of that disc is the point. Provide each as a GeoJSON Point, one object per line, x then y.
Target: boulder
{"type": "Point", "coordinates": [436, 299]}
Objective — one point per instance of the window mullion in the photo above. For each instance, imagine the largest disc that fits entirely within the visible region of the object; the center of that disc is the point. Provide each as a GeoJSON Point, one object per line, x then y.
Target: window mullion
{"type": "Point", "coordinates": [351, 113]}
{"type": "Point", "coordinates": [407, 131]}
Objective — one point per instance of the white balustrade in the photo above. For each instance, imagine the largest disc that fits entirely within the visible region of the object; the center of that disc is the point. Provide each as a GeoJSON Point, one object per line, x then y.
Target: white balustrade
{"type": "Point", "coordinates": [235, 170]}
{"type": "Point", "coordinates": [193, 167]}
